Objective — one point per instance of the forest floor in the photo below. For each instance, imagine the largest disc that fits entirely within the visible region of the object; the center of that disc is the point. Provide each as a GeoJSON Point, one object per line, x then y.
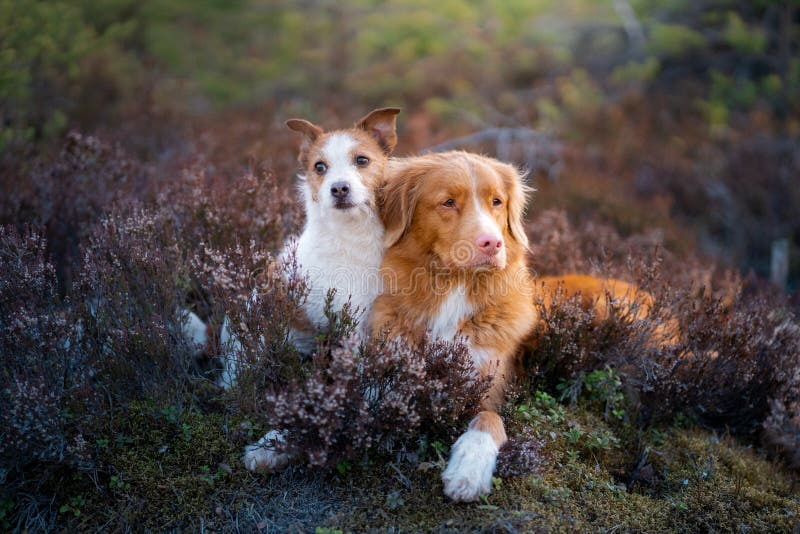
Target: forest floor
{"type": "Point", "coordinates": [183, 471]}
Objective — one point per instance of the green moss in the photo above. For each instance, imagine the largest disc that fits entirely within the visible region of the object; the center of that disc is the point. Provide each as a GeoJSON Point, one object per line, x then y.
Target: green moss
{"type": "Point", "coordinates": [175, 469]}
{"type": "Point", "coordinates": [165, 467]}
{"type": "Point", "coordinates": [701, 482]}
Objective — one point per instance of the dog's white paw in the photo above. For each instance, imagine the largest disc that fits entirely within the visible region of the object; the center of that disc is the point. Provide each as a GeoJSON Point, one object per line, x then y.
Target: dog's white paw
{"type": "Point", "coordinates": [469, 472]}
{"type": "Point", "coordinates": [263, 457]}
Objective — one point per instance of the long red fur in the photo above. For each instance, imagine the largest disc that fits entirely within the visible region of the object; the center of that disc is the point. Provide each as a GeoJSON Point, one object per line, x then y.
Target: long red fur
{"type": "Point", "coordinates": [418, 276]}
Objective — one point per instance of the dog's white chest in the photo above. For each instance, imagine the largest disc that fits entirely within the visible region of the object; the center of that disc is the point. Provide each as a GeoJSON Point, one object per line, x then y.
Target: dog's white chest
{"type": "Point", "coordinates": [445, 324]}
{"type": "Point", "coordinates": [348, 262]}
{"type": "Point", "coordinates": [453, 310]}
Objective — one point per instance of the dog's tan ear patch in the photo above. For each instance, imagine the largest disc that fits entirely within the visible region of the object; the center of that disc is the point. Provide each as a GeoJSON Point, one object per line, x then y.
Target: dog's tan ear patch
{"type": "Point", "coordinates": [517, 191]}
{"type": "Point", "coordinates": [381, 124]}
{"type": "Point", "coordinates": [310, 133]}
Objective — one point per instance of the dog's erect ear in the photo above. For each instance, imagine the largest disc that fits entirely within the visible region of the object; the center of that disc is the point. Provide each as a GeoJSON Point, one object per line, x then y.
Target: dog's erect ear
{"type": "Point", "coordinates": [517, 200]}
{"type": "Point", "coordinates": [310, 133]}
{"type": "Point", "coordinates": [381, 124]}
{"type": "Point", "coordinates": [398, 200]}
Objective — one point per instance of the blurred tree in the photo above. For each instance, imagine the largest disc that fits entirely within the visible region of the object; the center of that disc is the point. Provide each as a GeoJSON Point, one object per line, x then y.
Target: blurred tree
{"type": "Point", "coordinates": [61, 62]}
{"type": "Point", "coordinates": [65, 61]}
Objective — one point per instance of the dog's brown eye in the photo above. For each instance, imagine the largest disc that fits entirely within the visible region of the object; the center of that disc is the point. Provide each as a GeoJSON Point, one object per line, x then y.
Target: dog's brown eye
{"type": "Point", "coordinates": [449, 203]}
{"type": "Point", "coordinates": [362, 161]}
{"type": "Point", "coordinates": [320, 167]}
{"type": "Point", "coordinates": [496, 202]}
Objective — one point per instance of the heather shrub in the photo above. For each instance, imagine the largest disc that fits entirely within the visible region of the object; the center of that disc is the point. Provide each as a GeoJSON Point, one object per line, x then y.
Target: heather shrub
{"type": "Point", "coordinates": [132, 286]}
{"type": "Point", "coordinates": [782, 431]}
{"type": "Point", "coordinates": [68, 192]}
{"type": "Point", "coordinates": [732, 360]}
{"type": "Point", "coordinates": [43, 375]}
{"type": "Point", "coordinates": [382, 396]}
{"type": "Point", "coordinates": [570, 341]}
{"type": "Point", "coordinates": [80, 347]}
{"type": "Point", "coordinates": [71, 366]}
{"type": "Point", "coordinates": [736, 345]}
{"type": "Point", "coordinates": [521, 455]}
{"type": "Point", "coordinates": [222, 211]}
{"type": "Point", "coordinates": [559, 246]}
{"type": "Point", "coordinates": [258, 299]}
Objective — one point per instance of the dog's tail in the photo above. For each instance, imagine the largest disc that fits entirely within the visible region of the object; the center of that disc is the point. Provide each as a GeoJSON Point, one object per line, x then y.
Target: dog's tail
{"type": "Point", "coordinates": [607, 296]}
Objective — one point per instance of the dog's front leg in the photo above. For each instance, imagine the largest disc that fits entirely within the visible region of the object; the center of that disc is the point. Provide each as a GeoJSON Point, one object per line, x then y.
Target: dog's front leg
{"type": "Point", "coordinates": [472, 460]}
{"type": "Point", "coordinates": [266, 456]}
{"type": "Point", "coordinates": [473, 457]}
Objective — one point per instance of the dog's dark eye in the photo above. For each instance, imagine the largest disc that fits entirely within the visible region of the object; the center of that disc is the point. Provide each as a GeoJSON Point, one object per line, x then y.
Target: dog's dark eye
{"type": "Point", "coordinates": [449, 203]}
{"type": "Point", "coordinates": [362, 161]}
{"type": "Point", "coordinates": [496, 202]}
{"type": "Point", "coordinates": [320, 167]}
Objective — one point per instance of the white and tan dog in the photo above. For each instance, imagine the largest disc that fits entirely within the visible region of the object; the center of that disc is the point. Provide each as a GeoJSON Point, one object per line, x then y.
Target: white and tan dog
{"type": "Point", "coordinates": [342, 244]}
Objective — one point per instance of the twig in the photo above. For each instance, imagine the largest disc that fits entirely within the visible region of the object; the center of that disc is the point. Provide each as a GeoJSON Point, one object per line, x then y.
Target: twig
{"type": "Point", "coordinates": [401, 477]}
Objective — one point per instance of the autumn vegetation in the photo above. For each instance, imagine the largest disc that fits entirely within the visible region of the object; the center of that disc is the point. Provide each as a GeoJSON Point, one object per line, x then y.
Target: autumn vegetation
{"type": "Point", "coordinates": [145, 169]}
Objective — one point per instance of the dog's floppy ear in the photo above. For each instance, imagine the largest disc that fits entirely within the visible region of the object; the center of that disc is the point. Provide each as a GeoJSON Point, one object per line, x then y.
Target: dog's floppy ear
{"type": "Point", "coordinates": [517, 191]}
{"type": "Point", "coordinates": [310, 133]}
{"type": "Point", "coordinates": [381, 124]}
{"type": "Point", "coordinates": [398, 200]}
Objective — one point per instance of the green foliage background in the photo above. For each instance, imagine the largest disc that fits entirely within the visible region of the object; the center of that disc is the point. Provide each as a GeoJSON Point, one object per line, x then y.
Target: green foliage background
{"type": "Point", "coordinates": [79, 61]}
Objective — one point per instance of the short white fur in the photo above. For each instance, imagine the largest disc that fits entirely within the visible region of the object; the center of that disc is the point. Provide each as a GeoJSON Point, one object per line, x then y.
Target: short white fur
{"type": "Point", "coordinates": [480, 357]}
{"type": "Point", "coordinates": [453, 310]}
{"type": "Point", "coordinates": [194, 330]}
{"type": "Point", "coordinates": [231, 349]}
{"type": "Point", "coordinates": [264, 456]}
{"type": "Point", "coordinates": [486, 223]}
{"type": "Point", "coordinates": [446, 322]}
{"type": "Point", "coordinates": [469, 472]}
{"type": "Point", "coordinates": [340, 248]}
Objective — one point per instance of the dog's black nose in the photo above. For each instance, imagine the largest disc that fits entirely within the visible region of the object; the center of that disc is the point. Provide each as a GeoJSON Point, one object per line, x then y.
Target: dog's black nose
{"type": "Point", "coordinates": [340, 190]}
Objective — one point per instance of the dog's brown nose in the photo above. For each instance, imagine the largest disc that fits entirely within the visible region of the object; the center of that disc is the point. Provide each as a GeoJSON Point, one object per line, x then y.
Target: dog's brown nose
{"type": "Point", "coordinates": [340, 190]}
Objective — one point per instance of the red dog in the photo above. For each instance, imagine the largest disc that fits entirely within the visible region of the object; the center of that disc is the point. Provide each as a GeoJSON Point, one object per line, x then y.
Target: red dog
{"type": "Point", "coordinates": [456, 268]}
